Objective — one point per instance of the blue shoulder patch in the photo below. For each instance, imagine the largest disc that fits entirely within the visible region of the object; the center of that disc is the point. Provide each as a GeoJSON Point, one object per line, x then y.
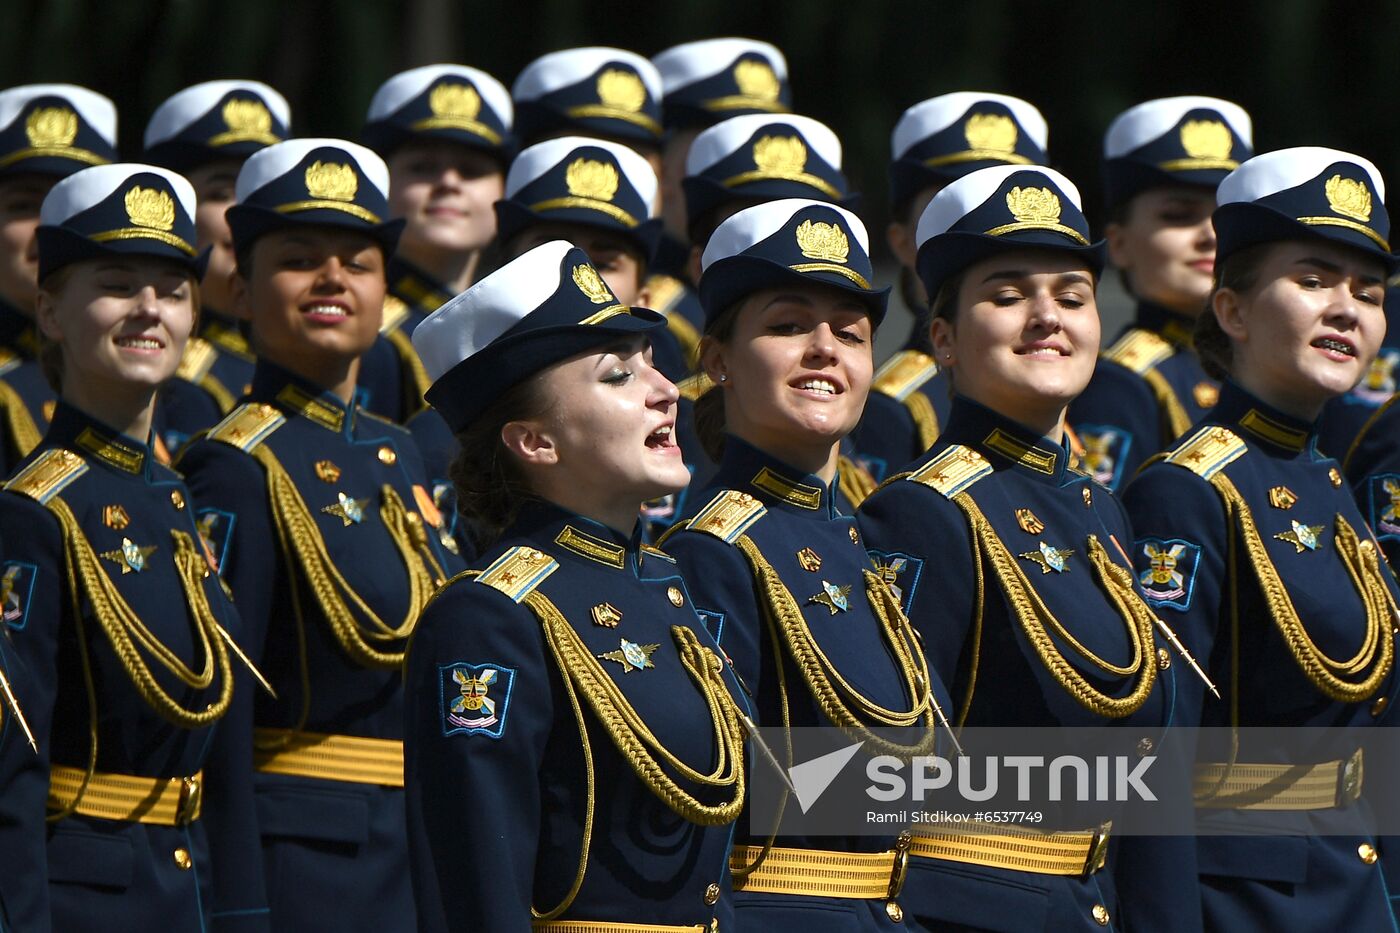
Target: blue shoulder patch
{"type": "Point", "coordinates": [1105, 452]}
{"type": "Point", "coordinates": [900, 572]}
{"type": "Point", "coordinates": [16, 591]}
{"type": "Point", "coordinates": [1383, 505]}
{"type": "Point", "coordinates": [1166, 569]}
{"type": "Point", "coordinates": [215, 526]}
{"type": "Point", "coordinates": [1379, 383]}
{"type": "Point", "coordinates": [475, 698]}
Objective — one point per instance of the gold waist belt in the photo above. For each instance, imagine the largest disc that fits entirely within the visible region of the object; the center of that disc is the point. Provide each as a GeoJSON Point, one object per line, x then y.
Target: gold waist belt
{"type": "Point", "coordinates": [816, 872]}
{"type": "Point", "coordinates": [1222, 786]}
{"type": "Point", "coordinates": [329, 757]}
{"type": "Point", "coordinates": [1064, 853]}
{"type": "Point", "coordinates": [605, 926]}
{"type": "Point", "coordinates": [126, 797]}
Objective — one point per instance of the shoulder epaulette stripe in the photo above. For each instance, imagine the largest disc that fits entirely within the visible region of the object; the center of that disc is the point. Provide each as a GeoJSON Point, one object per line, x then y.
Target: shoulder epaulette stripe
{"type": "Point", "coordinates": [728, 515]}
{"type": "Point", "coordinates": [903, 373]}
{"type": "Point", "coordinates": [1139, 350]}
{"type": "Point", "coordinates": [692, 387]}
{"type": "Point", "coordinates": [650, 551]}
{"type": "Point", "coordinates": [952, 471]}
{"type": "Point", "coordinates": [663, 291]}
{"type": "Point", "coordinates": [1208, 451]}
{"type": "Point", "coordinates": [248, 425]}
{"type": "Point", "coordinates": [9, 359]}
{"type": "Point", "coordinates": [395, 313]}
{"type": "Point", "coordinates": [48, 475]}
{"type": "Point", "coordinates": [518, 572]}
{"type": "Point", "coordinates": [197, 360]}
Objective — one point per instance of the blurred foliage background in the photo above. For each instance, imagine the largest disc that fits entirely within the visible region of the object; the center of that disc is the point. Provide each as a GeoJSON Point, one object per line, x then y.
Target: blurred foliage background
{"type": "Point", "coordinates": [1318, 72]}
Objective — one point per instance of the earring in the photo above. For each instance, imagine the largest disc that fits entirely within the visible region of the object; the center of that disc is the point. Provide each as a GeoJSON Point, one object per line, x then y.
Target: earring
{"type": "Point", "coordinates": [723, 377]}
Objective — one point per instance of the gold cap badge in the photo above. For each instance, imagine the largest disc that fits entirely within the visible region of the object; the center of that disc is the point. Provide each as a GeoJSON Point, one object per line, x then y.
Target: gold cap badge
{"type": "Point", "coordinates": [150, 207]}
{"type": "Point", "coordinates": [1349, 198]}
{"type": "Point", "coordinates": [990, 132]}
{"type": "Point", "coordinates": [621, 90]}
{"type": "Point", "coordinates": [247, 116]}
{"type": "Point", "coordinates": [1033, 205]}
{"type": "Point", "coordinates": [757, 79]}
{"type": "Point", "coordinates": [1207, 139]}
{"type": "Point", "coordinates": [780, 155]}
{"type": "Point", "coordinates": [823, 241]}
{"type": "Point", "coordinates": [588, 178]}
{"type": "Point", "coordinates": [332, 181]}
{"type": "Point", "coordinates": [454, 100]}
{"type": "Point", "coordinates": [49, 127]}
{"type": "Point", "coordinates": [592, 285]}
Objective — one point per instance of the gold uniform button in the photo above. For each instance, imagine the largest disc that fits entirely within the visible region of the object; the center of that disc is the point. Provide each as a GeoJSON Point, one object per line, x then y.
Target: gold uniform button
{"type": "Point", "coordinates": [1379, 706]}
{"type": "Point", "coordinates": [1100, 913]}
{"type": "Point", "coordinates": [1164, 659]}
{"type": "Point", "coordinates": [183, 860]}
{"type": "Point", "coordinates": [387, 456]}
{"type": "Point", "coordinates": [673, 593]}
{"type": "Point", "coordinates": [177, 499]}
{"type": "Point", "coordinates": [711, 894]}
{"type": "Point", "coordinates": [1367, 853]}
{"type": "Point", "coordinates": [1088, 497]}
{"type": "Point", "coordinates": [1144, 747]}
{"type": "Point", "coordinates": [896, 913]}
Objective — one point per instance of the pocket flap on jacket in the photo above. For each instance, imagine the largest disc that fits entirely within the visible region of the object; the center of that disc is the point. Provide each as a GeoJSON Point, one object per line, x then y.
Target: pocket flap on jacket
{"type": "Point", "coordinates": [1261, 858]}
{"type": "Point", "coordinates": [78, 857]}
{"type": "Point", "coordinates": [313, 814]}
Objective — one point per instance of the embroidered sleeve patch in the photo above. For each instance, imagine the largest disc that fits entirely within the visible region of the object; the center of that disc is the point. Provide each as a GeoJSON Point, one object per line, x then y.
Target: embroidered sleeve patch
{"type": "Point", "coordinates": [1105, 452]}
{"type": "Point", "coordinates": [1166, 569]}
{"type": "Point", "coordinates": [475, 698]}
{"type": "Point", "coordinates": [215, 527]}
{"type": "Point", "coordinates": [901, 573]}
{"type": "Point", "coordinates": [1383, 497]}
{"type": "Point", "coordinates": [16, 592]}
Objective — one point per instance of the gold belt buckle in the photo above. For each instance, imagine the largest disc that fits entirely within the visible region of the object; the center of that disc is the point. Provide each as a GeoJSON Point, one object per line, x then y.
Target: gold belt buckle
{"type": "Point", "coordinates": [1098, 851]}
{"type": "Point", "coordinates": [188, 806]}
{"type": "Point", "coordinates": [1349, 779]}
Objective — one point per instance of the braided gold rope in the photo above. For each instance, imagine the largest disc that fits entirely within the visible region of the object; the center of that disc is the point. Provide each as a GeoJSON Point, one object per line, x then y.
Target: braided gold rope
{"type": "Point", "coordinates": [23, 431]}
{"type": "Point", "coordinates": [834, 695]}
{"type": "Point", "coordinates": [333, 593]}
{"type": "Point", "coordinates": [925, 418]}
{"type": "Point", "coordinates": [1178, 422]}
{"type": "Point", "coordinates": [855, 482]}
{"type": "Point", "coordinates": [1377, 651]}
{"type": "Point", "coordinates": [1034, 617]}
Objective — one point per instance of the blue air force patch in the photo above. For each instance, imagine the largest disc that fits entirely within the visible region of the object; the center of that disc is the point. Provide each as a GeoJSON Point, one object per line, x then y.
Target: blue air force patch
{"type": "Point", "coordinates": [1379, 383]}
{"type": "Point", "coordinates": [1167, 571]}
{"type": "Point", "coordinates": [16, 591]}
{"type": "Point", "coordinates": [1383, 497]}
{"type": "Point", "coordinates": [1105, 452]}
{"type": "Point", "coordinates": [475, 698]}
{"type": "Point", "coordinates": [901, 574]}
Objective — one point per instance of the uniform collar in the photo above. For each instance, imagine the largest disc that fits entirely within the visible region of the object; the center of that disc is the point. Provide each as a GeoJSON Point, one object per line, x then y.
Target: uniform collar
{"type": "Point", "coordinates": [564, 534]}
{"type": "Point", "coordinates": [1176, 328]}
{"type": "Point", "coordinates": [17, 331]}
{"type": "Point", "coordinates": [98, 442]}
{"type": "Point", "coordinates": [298, 396]}
{"type": "Point", "coordinates": [413, 285]}
{"type": "Point", "coordinates": [775, 483]}
{"type": "Point", "coordinates": [1261, 423]}
{"type": "Point", "coordinates": [226, 333]}
{"type": "Point", "coordinates": [1006, 444]}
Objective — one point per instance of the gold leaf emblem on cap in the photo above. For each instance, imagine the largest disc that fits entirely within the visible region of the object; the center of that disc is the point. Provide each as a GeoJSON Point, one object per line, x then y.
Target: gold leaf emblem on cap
{"type": "Point", "coordinates": [591, 284]}
{"type": "Point", "coordinates": [1033, 205]}
{"type": "Point", "coordinates": [990, 132]}
{"type": "Point", "coordinates": [1348, 197]}
{"type": "Point", "coordinates": [247, 117]}
{"type": "Point", "coordinates": [621, 90]}
{"type": "Point", "coordinates": [150, 207]}
{"type": "Point", "coordinates": [454, 100]}
{"type": "Point", "coordinates": [589, 178]}
{"type": "Point", "coordinates": [1207, 139]}
{"type": "Point", "coordinates": [48, 127]}
{"type": "Point", "coordinates": [757, 79]}
{"type": "Point", "coordinates": [332, 181]}
{"type": "Point", "coordinates": [780, 155]}
{"type": "Point", "coordinates": [823, 241]}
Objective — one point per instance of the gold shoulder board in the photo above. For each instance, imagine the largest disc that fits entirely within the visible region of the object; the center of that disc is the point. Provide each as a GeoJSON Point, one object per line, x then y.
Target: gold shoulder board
{"type": "Point", "coordinates": [663, 291]}
{"type": "Point", "coordinates": [650, 551]}
{"type": "Point", "coordinates": [8, 360]}
{"type": "Point", "coordinates": [903, 373]}
{"type": "Point", "coordinates": [1208, 451]}
{"type": "Point", "coordinates": [728, 515]}
{"type": "Point", "coordinates": [248, 425]}
{"type": "Point", "coordinates": [198, 360]}
{"type": "Point", "coordinates": [1139, 350]}
{"type": "Point", "coordinates": [518, 572]}
{"type": "Point", "coordinates": [395, 313]}
{"type": "Point", "coordinates": [952, 471]}
{"type": "Point", "coordinates": [47, 476]}
{"type": "Point", "coordinates": [692, 387]}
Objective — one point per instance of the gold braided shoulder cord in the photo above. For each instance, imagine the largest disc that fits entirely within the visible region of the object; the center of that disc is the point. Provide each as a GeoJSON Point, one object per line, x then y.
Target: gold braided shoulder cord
{"type": "Point", "coordinates": [301, 539]}
{"type": "Point", "coordinates": [841, 703]}
{"type": "Point", "coordinates": [23, 431]}
{"type": "Point", "coordinates": [1360, 558]}
{"type": "Point", "coordinates": [855, 482]}
{"type": "Point", "coordinates": [1035, 617]}
{"type": "Point", "coordinates": [925, 418]}
{"type": "Point", "coordinates": [1178, 422]}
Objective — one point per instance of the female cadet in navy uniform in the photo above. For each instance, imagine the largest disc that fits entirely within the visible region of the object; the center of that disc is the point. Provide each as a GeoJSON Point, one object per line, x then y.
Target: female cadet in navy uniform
{"type": "Point", "coordinates": [1249, 543]}
{"type": "Point", "coordinates": [205, 132]}
{"type": "Point", "coordinates": [1162, 161]}
{"type": "Point", "coordinates": [935, 142]}
{"type": "Point", "coordinates": [769, 557]}
{"type": "Point", "coordinates": [568, 684]}
{"type": "Point", "coordinates": [47, 132]}
{"type": "Point", "coordinates": [126, 634]}
{"type": "Point", "coordinates": [325, 534]}
{"type": "Point", "coordinates": [1055, 632]}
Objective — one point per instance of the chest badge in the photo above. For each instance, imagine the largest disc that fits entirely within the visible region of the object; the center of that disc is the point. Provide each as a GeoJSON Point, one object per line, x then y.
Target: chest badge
{"type": "Point", "coordinates": [326, 471]}
{"type": "Point", "coordinates": [1302, 537]}
{"type": "Point", "coordinates": [1049, 558]}
{"type": "Point", "coordinates": [834, 598]}
{"type": "Point", "coordinates": [1335, 477]}
{"type": "Point", "coordinates": [349, 511]}
{"type": "Point", "coordinates": [855, 536]}
{"type": "Point", "coordinates": [115, 517]}
{"type": "Point", "coordinates": [1206, 394]}
{"type": "Point", "coordinates": [632, 656]}
{"type": "Point", "coordinates": [1281, 497]}
{"type": "Point", "coordinates": [809, 560]}
{"type": "Point", "coordinates": [130, 557]}
{"type": "Point", "coordinates": [1028, 522]}
{"type": "Point", "coordinates": [606, 615]}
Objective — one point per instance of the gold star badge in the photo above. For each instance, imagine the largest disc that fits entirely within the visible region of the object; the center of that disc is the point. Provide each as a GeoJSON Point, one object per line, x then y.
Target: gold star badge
{"type": "Point", "coordinates": [809, 560]}
{"type": "Point", "coordinates": [833, 597]}
{"type": "Point", "coordinates": [1049, 558]}
{"type": "Point", "coordinates": [632, 656]}
{"type": "Point", "coordinates": [348, 510]}
{"type": "Point", "coordinates": [1028, 522]}
{"type": "Point", "coordinates": [129, 557]}
{"type": "Point", "coordinates": [1281, 497]}
{"type": "Point", "coordinates": [1302, 537]}
{"type": "Point", "coordinates": [326, 471]}
{"type": "Point", "coordinates": [606, 615]}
